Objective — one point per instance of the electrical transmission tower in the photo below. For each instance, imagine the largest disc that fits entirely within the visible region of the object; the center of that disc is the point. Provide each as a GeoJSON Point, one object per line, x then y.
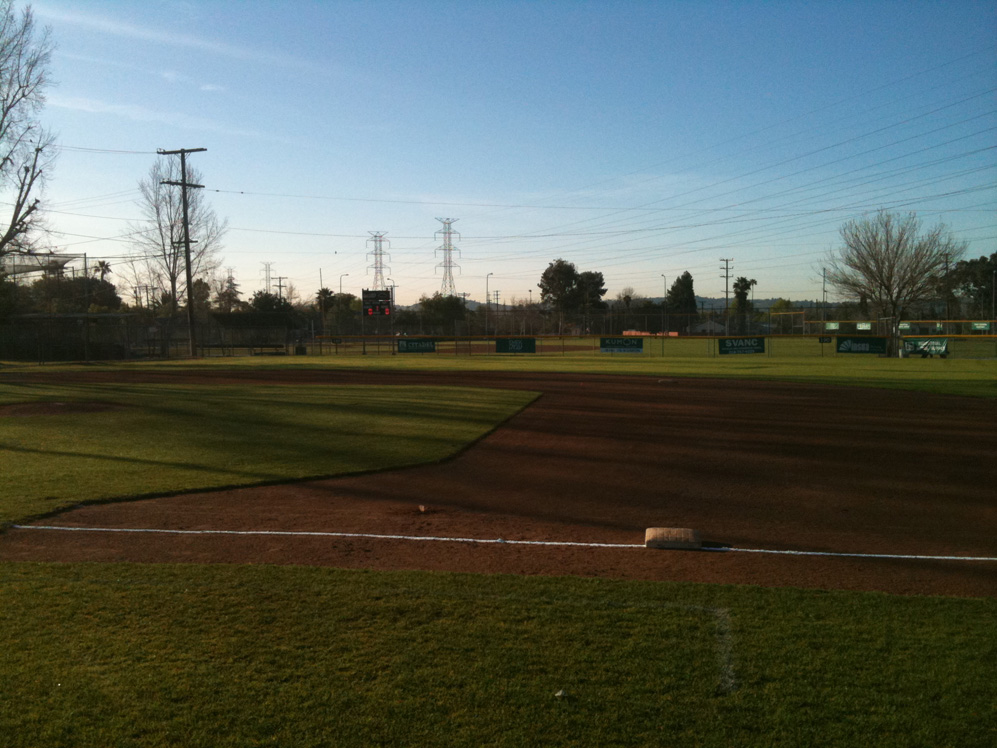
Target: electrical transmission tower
{"type": "Point", "coordinates": [378, 238]}
{"type": "Point", "coordinates": [267, 267]}
{"type": "Point", "coordinates": [448, 249]}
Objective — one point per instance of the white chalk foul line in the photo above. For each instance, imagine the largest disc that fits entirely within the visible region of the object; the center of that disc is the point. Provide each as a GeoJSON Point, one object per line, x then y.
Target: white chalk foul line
{"type": "Point", "coordinates": [495, 541]}
{"type": "Point", "coordinates": [906, 557]}
{"type": "Point", "coordinates": [306, 533]}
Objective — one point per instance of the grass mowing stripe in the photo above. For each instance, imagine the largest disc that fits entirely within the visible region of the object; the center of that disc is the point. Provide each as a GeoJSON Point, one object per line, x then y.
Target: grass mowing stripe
{"type": "Point", "coordinates": [154, 439]}
{"type": "Point", "coordinates": [154, 655]}
{"type": "Point", "coordinates": [976, 378]}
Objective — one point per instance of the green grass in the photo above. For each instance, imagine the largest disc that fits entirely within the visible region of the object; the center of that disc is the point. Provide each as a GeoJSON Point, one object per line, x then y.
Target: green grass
{"type": "Point", "coordinates": [155, 439]}
{"type": "Point", "coordinates": [100, 655]}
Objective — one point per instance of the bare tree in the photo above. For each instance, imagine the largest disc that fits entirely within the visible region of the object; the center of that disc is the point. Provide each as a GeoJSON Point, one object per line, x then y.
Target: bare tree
{"type": "Point", "coordinates": [25, 147]}
{"type": "Point", "coordinates": [888, 260]}
{"type": "Point", "coordinates": [159, 239]}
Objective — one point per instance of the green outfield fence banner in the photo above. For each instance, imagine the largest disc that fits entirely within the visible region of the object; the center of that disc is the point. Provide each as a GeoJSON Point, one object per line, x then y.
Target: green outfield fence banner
{"type": "Point", "coordinates": [981, 326]}
{"type": "Point", "coordinates": [864, 344]}
{"type": "Point", "coordinates": [416, 346]}
{"type": "Point", "coordinates": [927, 346]}
{"type": "Point", "coordinates": [621, 345]}
{"type": "Point", "coordinates": [741, 345]}
{"type": "Point", "coordinates": [516, 345]}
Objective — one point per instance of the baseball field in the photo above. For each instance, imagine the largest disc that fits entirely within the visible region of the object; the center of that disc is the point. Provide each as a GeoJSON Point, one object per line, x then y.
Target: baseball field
{"type": "Point", "coordinates": [447, 551]}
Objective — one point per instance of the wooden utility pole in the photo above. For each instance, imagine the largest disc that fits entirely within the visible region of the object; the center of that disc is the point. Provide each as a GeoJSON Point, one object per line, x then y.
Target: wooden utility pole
{"type": "Point", "coordinates": [184, 185]}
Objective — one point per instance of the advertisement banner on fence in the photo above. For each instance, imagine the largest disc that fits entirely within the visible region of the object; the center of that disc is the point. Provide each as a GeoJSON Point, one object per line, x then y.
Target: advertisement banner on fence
{"type": "Point", "coordinates": [621, 345]}
{"type": "Point", "coordinates": [741, 345]}
{"type": "Point", "coordinates": [865, 344]}
{"type": "Point", "coordinates": [516, 345]}
{"type": "Point", "coordinates": [416, 346]}
{"type": "Point", "coordinates": [927, 346]}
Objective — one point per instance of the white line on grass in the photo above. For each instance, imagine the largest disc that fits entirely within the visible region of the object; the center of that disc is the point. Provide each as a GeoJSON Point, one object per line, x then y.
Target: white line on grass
{"type": "Point", "coordinates": [493, 541]}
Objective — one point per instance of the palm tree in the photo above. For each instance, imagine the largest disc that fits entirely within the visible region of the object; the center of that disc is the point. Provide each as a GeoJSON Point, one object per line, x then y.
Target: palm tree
{"type": "Point", "coordinates": [102, 268]}
{"type": "Point", "coordinates": [742, 287]}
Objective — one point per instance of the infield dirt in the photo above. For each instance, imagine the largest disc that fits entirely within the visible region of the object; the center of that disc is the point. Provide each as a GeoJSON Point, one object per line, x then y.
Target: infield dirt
{"type": "Point", "coordinates": [598, 459]}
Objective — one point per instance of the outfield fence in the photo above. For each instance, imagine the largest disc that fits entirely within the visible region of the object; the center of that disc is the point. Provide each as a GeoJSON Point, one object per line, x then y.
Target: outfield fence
{"type": "Point", "coordinates": [123, 337]}
{"type": "Point", "coordinates": [633, 346]}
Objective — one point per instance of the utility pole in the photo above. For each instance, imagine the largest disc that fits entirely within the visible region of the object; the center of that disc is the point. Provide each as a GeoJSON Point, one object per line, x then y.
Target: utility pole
{"type": "Point", "coordinates": [280, 286]}
{"type": "Point", "coordinates": [726, 276]}
{"type": "Point", "coordinates": [823, 299]}
{"type": "Point", "coordinates": [946, 285]}
{"type": "Point", "coordinates": [184, 185]}
{"type": "Point", "coordinates": [487, 302]}
{"type": "Point", "coordinates": [448, 249]}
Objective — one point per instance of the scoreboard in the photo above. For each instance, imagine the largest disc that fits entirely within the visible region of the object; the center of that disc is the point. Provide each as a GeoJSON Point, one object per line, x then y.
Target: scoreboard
{"type": "Point", "coordinates": [376, 303]}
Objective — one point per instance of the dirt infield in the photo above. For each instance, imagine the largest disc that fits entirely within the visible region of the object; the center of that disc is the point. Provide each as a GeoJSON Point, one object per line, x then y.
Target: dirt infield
{"type": "Point", "coordinates": [597, 459]}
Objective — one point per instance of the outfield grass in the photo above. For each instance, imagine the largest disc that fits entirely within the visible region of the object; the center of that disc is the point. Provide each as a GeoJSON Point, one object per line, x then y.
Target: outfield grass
{"type": "Point", "coordinates": [100, 655]}
{"type": "Point", "coordinates": [155, 439]}
{"type": "Point", "coordinates": [974, 378]}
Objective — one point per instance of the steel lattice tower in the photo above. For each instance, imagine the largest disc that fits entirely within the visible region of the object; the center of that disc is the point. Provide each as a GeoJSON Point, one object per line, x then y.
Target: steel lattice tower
{"type": "Point", "coordinates": [448, 288]}
{"type": "Point", "coordinates": [378, 238]}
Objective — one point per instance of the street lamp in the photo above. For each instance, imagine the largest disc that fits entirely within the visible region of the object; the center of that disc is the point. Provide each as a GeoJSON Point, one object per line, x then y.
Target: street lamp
{"type": "Point", "coordinates": [341, 283]}
{"type": "Point", "coordinates": [487, 302]}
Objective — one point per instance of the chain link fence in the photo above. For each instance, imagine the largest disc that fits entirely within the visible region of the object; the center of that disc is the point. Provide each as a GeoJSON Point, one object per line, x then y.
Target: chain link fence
{"type": "Point", "coordinates": [91, 337]}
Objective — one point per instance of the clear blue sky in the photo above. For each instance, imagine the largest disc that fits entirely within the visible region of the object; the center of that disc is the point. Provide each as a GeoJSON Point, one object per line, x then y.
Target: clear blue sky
{"type": "Point", "coordinates": [638, 139]}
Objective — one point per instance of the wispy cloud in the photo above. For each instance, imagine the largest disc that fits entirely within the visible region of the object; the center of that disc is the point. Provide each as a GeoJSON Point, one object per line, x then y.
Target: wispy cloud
{"type": "Point", "coordinates": [137, 113]}
{"type": "Point", "coordinates": [170, 38]}
{"type": "Point", "coordinates": [171, 76]}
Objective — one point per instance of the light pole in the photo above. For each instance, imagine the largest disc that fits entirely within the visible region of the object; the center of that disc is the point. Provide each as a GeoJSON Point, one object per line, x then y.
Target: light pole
{"type": "Point", "coordinates": [339, 305]}
{"type": "Point", "coordinates": [487, 302]}
{"type": "Point", "coordinates": [664, 295]}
